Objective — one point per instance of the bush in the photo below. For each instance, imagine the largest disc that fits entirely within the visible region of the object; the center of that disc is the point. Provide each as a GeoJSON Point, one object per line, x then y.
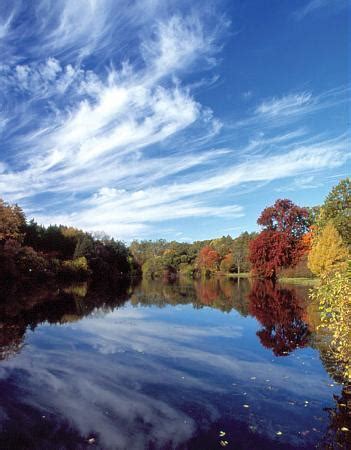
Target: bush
{"type": "Point", "coordinates": [77, 268]}
{"type": "Point", "coordinates": [334, 300]}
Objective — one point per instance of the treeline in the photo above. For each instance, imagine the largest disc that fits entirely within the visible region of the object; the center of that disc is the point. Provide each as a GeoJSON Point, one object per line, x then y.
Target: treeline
{"type": "Point", "coordinates": [32, 251]}
{"type": "Point", "coordinates": [293, 240]}
{"type": "Point", "coordinates": [329, 258]}
{"type": "Point", "coordinates": [321, 236]}
{"type": "Point", "coordinates": [162, 259]}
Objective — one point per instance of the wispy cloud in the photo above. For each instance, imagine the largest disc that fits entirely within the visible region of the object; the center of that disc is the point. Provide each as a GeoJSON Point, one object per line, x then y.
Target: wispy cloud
{"type": "Point", "coordinates": [312, 6]}
{"type": "Point", "coordinates": [102, 126]}
{"type": "Point", "coordinates": [100, 377]}
{"type": "Point", "coordinates": [293, 107]}
{"type": "Point", "coordinates": [117, 210]}
{"type": "Point", "coordinates": [289, 105]}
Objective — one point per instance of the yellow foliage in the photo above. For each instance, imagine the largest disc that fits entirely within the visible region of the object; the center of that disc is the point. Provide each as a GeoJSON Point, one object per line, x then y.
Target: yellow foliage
{"type": "Point", "coordinates": [77, 264]}
{"type": "Point", "coordinates": [334, 300]}
{"type": "Point", "coordinates": [77, 289]}
{"type": "Point", "coordinates": [70, 232]}
{"type": "Point", "coordinates": [11, 221]}
{"type": "Point", "coordinates": [328, 253]}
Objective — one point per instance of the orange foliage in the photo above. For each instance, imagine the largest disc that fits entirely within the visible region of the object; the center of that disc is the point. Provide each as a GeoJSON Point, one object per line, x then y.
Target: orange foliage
{"type": "Point", "coordinates": [306, 240]}
{"type": "Point", "coordinates": [208, 258]}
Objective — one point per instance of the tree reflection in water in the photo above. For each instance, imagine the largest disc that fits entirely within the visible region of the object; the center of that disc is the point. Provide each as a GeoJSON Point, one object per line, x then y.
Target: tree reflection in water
{"type": "Point", "coordinates": [339, 430]}
{"type": "Point", "coordinates": [278, 309]}
{"type": "Point", "coordinates": [23, 307]}
{"type": "Point", "coordinates": [280, 312]}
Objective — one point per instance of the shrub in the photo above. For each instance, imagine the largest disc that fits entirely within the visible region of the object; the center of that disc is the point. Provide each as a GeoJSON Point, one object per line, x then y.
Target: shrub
{"type": "Point", "coordinates": [334, 300]}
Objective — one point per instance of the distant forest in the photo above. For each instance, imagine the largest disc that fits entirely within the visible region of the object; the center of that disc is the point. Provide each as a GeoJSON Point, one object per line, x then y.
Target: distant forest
{"type": "Point", "coordinates": [293, 242]}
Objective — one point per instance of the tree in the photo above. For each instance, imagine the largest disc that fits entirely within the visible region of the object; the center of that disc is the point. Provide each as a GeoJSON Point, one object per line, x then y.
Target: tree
{"type": "Point", "coordinates": [279, 311]}
{"type": "Point", "coordinates": [337, 207]}
{"type": "Point", "coordinates": [241, 251]}
{"type": "Point", "coordinates": [208, 259]}
{"type": "Point", "coordinates": [279, 245]}
{"type": "Point", "coordinates": [269, 252]}
{"type": "Point", "coordinates": [84, 247]}
{"type": "Point", "coordinates": [12, 222]}
{"type": "Point", "coordinates": [227, 263]}
{"type": "Point", "coordinates": [313, 215]}
{"type": "Point", "coordinates": [285, 217]}
{"type": "Point", "coordinates": [328, 253]}
{"type": "Point", "coordinates": [222, 245]}
{"type": "Point", "coordinates": [333, 297]}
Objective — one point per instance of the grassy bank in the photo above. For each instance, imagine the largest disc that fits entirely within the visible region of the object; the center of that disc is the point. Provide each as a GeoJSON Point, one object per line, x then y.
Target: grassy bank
{"type": "Point", "coordinates": [300, 281]}
{"type": "Point", "coordinates": [238, 275]}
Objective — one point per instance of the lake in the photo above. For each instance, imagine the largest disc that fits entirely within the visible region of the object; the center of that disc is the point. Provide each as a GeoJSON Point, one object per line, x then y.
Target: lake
{"type": "Point", "coordinates": [189, 365]}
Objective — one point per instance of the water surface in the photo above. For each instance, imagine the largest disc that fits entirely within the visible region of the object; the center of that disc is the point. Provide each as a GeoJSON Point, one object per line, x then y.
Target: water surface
{"type": "Point", "coordinates": [158, 366]}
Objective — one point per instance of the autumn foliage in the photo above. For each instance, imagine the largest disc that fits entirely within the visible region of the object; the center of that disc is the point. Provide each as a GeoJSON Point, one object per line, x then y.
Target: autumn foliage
{"type": "Point", "coordinates": [279, 245]}
{"type": "Point", "coordinates": [12, 221]}
{"type": "Point", "coordinates": [281, 315]}
{"type": "Point", "coordinates": [208, 259]}
{"type": "Point", "coordinates": [328, 253]}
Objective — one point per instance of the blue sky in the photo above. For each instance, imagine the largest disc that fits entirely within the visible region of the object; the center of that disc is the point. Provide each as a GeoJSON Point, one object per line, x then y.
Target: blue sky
{"type": "Point", "coordinates": [168, 118]}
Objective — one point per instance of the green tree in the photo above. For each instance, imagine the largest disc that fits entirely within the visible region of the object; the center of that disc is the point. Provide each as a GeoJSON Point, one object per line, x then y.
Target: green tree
{"type": "Point", "coordinates": [328, 253]}
{"type": "Point", "coordinates": [241, 251]}
{"type": "Point", "coordinates": [313, 214]}
{"type": "Point", "coordinates": [337, 207]}
{"type": "Point", "coordinates": [222, 245]}
{"type": "Point", "coordinates": [84, 247]}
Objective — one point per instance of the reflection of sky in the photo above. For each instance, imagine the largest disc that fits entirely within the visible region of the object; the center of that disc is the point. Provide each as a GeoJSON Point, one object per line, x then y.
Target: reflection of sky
{"type": "Point", "coordinates": [141, 375]}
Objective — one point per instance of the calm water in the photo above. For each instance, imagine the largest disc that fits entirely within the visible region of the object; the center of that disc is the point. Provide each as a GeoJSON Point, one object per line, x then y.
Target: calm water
{"type": "Point", "coordinates": [159, 366]}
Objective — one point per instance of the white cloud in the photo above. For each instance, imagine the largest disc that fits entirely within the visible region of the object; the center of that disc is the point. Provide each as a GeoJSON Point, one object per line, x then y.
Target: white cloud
{"type": "Point", "coordinates": [287, 105]}
{"type": "Point", "coordinates": [178, 43]}
{"type": "Point", "coordinates": [5, 25]}
{"type": "Point", "coordinates": [102, 380]}
{"type": "Point", "coordinates": [292, 107]}
{"type": "Point", "coordinates": [126, 145]}
{"type": "Point", "coordinates": [307, 182]}
{"type": "Point", "coordinates": [314, 5]}
{"type": "Point", "coordinates": [125, 213]}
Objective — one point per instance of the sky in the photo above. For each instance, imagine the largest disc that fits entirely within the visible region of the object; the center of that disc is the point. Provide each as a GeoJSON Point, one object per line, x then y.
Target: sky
{"type": "Point", "coordinates": [171, 119]}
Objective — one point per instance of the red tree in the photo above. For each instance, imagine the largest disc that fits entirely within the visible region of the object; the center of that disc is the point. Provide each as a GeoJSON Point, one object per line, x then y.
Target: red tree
{"type": "Point", "coordinates": [208, 258]}
{"type": "Point", "coordinates": [279, 311]}
{"type": "Point", "coordinates": [284, 216]}
{"type": "Point", "coordinates": [278, 246]}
